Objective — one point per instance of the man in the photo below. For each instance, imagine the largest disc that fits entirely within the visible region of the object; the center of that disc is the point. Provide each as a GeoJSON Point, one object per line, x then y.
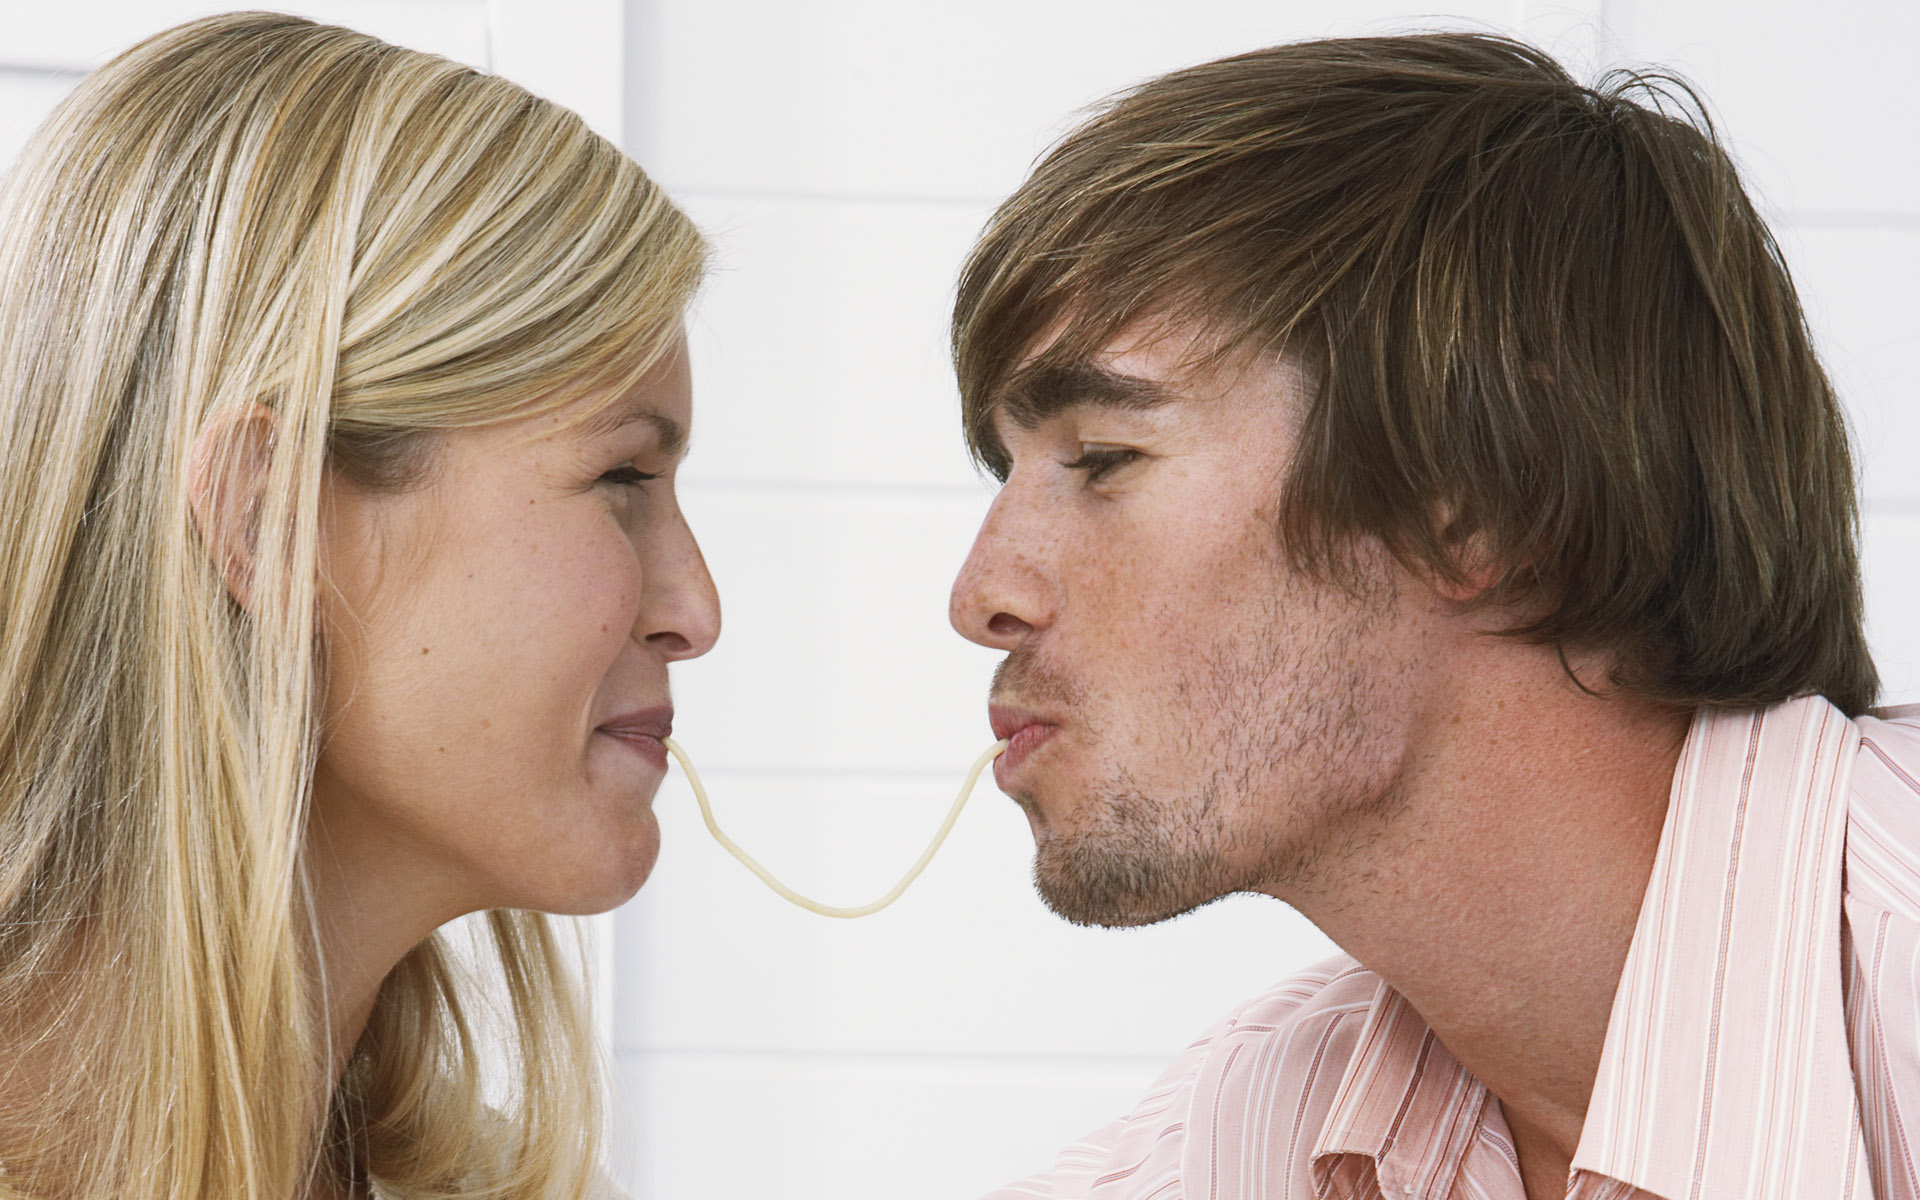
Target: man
{"type": "Point", "coordinates": [1422, 505]}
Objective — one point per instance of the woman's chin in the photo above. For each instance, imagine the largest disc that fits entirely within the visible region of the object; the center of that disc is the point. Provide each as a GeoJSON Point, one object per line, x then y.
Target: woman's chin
{"type": "Point", "coordinates": [624, 877]}
{"type": "Point", "coordinates": [601, 876]}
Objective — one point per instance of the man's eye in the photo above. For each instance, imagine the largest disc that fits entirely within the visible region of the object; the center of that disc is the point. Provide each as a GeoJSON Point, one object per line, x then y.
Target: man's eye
{"type": "Point", "coordinates": [627, 476]}
{"type": "Point", "coordinates": [1099, 461]}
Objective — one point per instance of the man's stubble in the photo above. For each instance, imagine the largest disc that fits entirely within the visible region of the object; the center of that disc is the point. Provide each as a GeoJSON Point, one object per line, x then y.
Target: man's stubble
{"type": "Point", "coordinates": [1280, 714]}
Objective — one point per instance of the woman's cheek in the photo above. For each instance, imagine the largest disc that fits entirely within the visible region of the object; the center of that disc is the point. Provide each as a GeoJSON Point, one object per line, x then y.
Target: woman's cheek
{"type": "Point", "coordinates": [610, 593]}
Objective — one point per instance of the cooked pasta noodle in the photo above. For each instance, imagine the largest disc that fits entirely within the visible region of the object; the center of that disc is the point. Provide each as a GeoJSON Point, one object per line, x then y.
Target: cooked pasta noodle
{"type": "Point", "coordinates": [828, 910]}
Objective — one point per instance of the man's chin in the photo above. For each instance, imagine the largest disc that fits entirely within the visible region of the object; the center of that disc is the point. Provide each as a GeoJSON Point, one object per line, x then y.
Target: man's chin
{"type": "Point", "coordinates": [1115, 892]}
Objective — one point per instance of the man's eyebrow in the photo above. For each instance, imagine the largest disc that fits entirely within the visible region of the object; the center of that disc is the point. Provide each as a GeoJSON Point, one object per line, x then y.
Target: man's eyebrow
{"type": "Point", "coordinates": [1038, 392]}
{"type": "Point", "coordinates": [672, 436]}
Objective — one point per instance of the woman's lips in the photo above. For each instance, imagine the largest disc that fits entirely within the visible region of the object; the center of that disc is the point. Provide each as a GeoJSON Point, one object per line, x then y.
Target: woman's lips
{"type": "Point", "coordinates": [649, 748]}
{"type": "Point", "coordinates": [642, 730]}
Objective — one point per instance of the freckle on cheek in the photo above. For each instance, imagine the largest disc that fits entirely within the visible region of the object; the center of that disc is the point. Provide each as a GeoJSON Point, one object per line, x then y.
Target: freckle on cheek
{"type": "Point", "coordinates": [423, 649]}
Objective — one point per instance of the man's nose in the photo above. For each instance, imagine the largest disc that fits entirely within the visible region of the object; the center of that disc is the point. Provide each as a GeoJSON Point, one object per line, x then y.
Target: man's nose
{"type": "Point", "coordinates": [1005, 590]}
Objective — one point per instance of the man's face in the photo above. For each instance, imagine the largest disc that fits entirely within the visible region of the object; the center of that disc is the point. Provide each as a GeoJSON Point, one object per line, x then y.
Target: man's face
{"type": "Point", "coordinates": [1189, 716]}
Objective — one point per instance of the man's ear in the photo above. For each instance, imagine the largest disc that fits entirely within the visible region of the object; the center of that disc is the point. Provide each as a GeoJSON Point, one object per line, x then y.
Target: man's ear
{"type": "Point", "coordinates": [1474, 566]}
{"type": "Point", "coordinates": [226, 478]}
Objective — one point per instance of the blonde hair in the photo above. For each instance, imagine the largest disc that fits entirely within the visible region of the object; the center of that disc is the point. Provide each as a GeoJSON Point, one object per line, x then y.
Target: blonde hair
{"type": "Point", "coordinates": [372, 243]}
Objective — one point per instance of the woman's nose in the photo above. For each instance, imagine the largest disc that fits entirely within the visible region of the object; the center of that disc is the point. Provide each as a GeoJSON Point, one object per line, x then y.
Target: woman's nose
{"type": "Point", "coordinates": [680, 614]}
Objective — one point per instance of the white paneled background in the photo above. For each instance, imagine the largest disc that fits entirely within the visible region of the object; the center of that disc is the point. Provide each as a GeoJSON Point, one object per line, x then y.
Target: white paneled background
{"type": "Point", "coordinates": [842, 153]}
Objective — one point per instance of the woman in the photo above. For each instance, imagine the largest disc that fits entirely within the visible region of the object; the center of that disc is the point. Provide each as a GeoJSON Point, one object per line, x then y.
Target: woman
{"type": "Point", "coordinates": [341, 392]}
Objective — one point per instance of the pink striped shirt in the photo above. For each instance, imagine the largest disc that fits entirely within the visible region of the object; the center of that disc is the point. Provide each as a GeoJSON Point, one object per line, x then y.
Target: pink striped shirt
{"type": "Point", "coordinates": [1764, 1041]}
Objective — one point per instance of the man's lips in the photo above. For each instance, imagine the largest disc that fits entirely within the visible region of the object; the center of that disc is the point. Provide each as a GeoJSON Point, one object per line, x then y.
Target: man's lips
{"type": "Point", "coordinates": [644, 730]}
{"type": "Point", "coordinates": [1023, 730]}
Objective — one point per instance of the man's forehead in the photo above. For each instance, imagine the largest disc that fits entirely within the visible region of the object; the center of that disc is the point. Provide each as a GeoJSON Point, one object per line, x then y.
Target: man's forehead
{"type": "Point", "coordinates": [1140, 369]}
{"type": "Point", "coordinates": [1142, 365]}
{"type": "Point", "coordinates": [1042, 390]}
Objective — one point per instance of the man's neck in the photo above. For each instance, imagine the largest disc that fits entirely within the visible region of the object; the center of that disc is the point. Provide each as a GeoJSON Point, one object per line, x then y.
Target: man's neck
{"type": "Point", "coordinates": [1500, 899]}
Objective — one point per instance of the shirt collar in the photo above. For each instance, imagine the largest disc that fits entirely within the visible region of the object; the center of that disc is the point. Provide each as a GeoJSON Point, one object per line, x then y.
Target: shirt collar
{"type": "Point", "coordinates": [1406, 1112]}
{"type": "Point", "coordinates": [1725, 1073]}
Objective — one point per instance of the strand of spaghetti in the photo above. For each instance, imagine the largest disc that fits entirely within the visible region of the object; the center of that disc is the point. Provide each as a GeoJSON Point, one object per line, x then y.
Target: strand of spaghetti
{"type": "Point", "coordinates": [828, 910]}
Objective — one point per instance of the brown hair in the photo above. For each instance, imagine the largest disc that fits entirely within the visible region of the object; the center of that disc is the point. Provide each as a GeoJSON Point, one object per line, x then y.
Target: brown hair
{"type": "Point", "coordinates": [1541, 318]}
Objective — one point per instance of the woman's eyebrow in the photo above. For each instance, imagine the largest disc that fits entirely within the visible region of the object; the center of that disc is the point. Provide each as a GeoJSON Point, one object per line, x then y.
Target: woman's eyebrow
{"type": "Point", "coordinates": [670, 433]}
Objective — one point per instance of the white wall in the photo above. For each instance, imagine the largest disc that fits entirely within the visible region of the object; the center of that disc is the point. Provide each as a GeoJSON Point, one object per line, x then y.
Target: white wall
{"type": "Point", "coordinates": [842, 154]}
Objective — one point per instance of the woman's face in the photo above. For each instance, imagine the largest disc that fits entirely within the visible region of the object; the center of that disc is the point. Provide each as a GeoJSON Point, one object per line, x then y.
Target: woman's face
{"type": "Point", "coordinates": [498, 641]}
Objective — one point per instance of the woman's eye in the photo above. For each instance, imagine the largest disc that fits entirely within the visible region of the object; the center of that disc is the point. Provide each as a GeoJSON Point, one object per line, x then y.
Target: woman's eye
{"type": "Point", "coordinates": [1099, 461]}
{"type": "Point", "coordinates": [626, 475]}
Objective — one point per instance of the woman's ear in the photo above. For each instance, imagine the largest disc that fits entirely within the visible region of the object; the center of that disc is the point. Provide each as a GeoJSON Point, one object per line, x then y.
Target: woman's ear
{"type": "Point", "coordinates": [226, 478]}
